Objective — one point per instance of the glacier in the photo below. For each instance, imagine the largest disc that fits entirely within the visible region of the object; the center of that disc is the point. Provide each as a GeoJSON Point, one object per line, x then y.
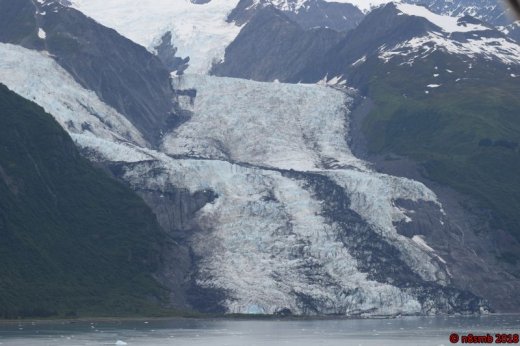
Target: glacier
{"type": "Point", "coordinates": [298, 222]}
{"type": "Point", "coordinates": [277, 125]}
{"type": "Point", "coordinates": [37, 77]}
{"type": "Point", "coordinates": [199, 31]}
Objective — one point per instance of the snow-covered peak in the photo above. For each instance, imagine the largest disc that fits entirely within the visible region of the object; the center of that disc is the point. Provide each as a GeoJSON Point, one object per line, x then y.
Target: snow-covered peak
{"type": "Point", "coordinates": [295, 5]}
{"type": "Point", "coordinates": [199, 30]}
{"type": "Point", "coordinates": [289, 5]}
{"type": "Point", "coordinates": [446, 23]}
{"type": "Point", "coordinates": [365, 5]}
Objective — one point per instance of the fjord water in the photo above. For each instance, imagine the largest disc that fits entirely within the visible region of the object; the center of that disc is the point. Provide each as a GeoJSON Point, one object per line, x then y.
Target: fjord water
{"type": "Point", "coordinates": [220, 332]}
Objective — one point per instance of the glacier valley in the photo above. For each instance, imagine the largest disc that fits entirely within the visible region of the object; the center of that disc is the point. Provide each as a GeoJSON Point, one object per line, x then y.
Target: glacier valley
{"type": "Point", "coordinates": [287, 219]}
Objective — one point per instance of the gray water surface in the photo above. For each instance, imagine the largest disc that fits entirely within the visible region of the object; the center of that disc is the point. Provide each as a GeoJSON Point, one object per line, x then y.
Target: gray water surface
{"type": "Point", "coordinates": [221, 332]}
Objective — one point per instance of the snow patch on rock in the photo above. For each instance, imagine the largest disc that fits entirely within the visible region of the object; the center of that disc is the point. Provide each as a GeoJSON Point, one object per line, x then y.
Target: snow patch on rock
{"type": "Point", "coordinates": [42, 34]}
{"type": "Point", "coordinates": [446, 23]}
{"type": "Point", "coordinates": [488, 48]}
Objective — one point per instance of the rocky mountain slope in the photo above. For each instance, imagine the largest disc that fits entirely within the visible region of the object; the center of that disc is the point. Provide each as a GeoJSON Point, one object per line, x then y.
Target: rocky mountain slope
{"type": "Point", "coordinates": [307, 14]}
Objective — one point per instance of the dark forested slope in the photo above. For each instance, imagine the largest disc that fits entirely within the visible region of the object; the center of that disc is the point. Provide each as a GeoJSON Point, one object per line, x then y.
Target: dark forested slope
{"type": "Point", "coordinates": [72, 240]}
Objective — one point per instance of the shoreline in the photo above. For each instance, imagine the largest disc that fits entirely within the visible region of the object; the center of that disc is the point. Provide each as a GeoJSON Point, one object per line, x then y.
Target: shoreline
{"type": "Point", "coordinates": [233, 317]}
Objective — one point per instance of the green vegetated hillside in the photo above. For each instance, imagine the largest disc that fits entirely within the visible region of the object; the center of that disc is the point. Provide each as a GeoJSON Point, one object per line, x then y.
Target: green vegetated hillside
{"type": "Point", "coordinates": [466, 132]}
{"type": "Point", "coordinates": [73, 241]}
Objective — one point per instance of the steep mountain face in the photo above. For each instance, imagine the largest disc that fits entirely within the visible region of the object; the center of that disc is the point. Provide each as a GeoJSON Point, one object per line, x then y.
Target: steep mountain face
{"type": "Point", "coordinates": [271, 46]}
{"type": "Point", "coordinates": [198, 30]}
{"type": "Point", "coordinates": [308, 14]}
{"type": "Point", "coordinates": [390, 31]}
{"type": "Point", "coordinates": [131, 80]}
{"type": "Point", "coordinates": [490, 11]}
{"type": "Point", "coordinates": [409, 33]}
{"type": "Point", "coordinates": [74, 241]}
{"type": "Point", "coordinates": [512, 30]}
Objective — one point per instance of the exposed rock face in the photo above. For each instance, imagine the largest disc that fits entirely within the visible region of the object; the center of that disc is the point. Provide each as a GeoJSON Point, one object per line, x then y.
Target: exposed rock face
{"type": "Point", "coordinates": [388, 32]}
{"type": "Point", "coordinates": [175, 209]}
{"type": "Point", "coordinates": [271, 46]}
{"type": "Point", "coordinates": [167, 53]}
{"type": "Point", "coordinates": [308, 14]}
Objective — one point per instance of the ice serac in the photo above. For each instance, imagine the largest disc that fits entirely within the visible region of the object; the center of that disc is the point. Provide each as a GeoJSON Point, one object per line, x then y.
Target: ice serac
{"type": "Point", "coordinates": [299, 224]}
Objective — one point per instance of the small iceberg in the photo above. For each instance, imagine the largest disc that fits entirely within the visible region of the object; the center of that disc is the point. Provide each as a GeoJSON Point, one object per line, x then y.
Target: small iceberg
{"type": "Point", "coordinates": [121, 343]}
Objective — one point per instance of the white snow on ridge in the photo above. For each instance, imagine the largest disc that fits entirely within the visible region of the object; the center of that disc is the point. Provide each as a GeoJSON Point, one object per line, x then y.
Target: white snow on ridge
{"type": "Point", "coordinates": [501, 49]}
{"type": "Point", "coordinates": [365, 5]}
{"type": "Point", "coordinates": [446, 23]}
{"type": "Point", "coordinates": [198, 31]}
{"type": "Point", "coordinates": [295, 5]}
{"type": "Point", "coordinates": [37, 77]}
{"type": "Point", "coordinates": [288, 5]}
